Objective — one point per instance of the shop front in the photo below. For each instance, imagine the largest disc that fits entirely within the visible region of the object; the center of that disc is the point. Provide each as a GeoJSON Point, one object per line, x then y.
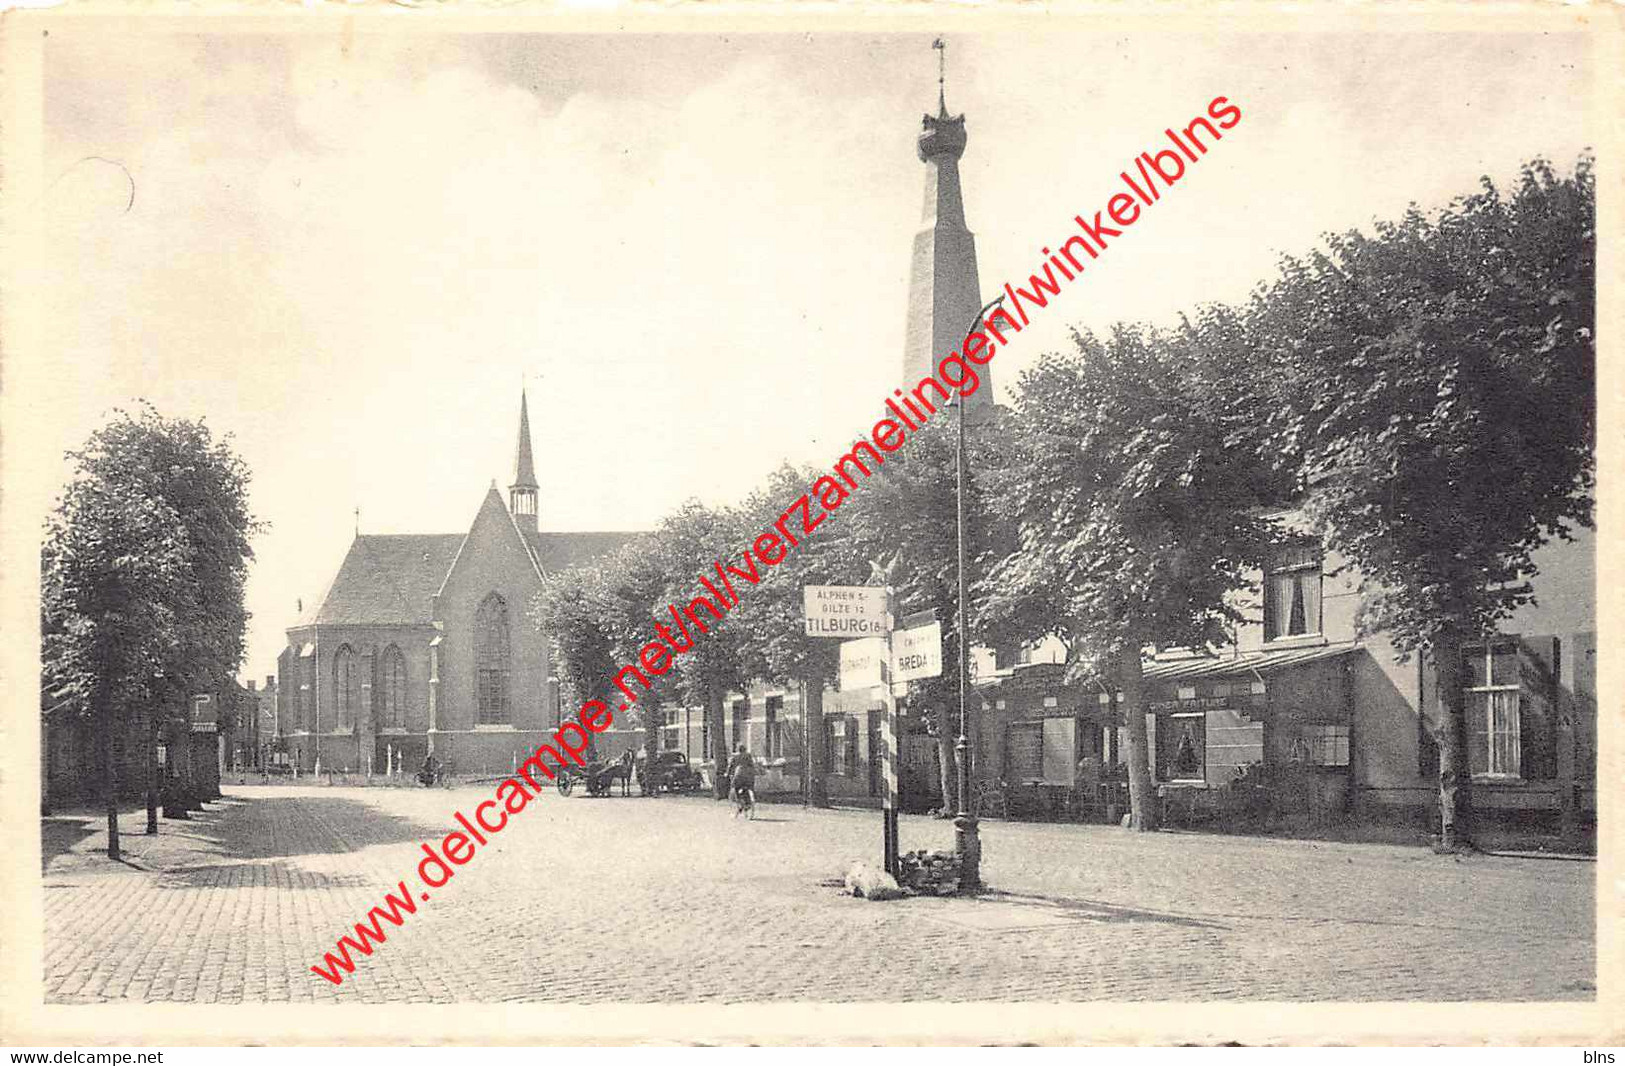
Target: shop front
{"type": "Point", "coordinates": [1264, 737]}
{"type": "Point", "coordinates": [1252, 739]}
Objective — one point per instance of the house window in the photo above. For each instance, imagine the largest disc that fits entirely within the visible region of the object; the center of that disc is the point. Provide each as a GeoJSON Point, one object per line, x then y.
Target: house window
{"type": "Point", "coordinates": [392, 689]}
{"type": "Point", "coordinates": [1181, 746]}
{"type": "Point", "coordinates": [1326, 745]}
{"type": "Point", "coordinates": [775, 727]}
{"type": "Point", "coordinates": [1024, 759]}
{"type": "Point", "coordinates": [346, 689]}
{"type": "Point", "coordinates": [842, 734]}
{"type": "Point", "coordinates": [741, 720]}
{"type": "Point", "coordinates": [1493, 727]}
{"type": "Point", "coordinates": [1292, 592]}
{"type": "Point", "coordinates": [491, 657]}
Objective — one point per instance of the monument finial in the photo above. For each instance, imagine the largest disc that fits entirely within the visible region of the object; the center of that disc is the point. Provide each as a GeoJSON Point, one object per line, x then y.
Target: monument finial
{"type": "Point", "coordinates": [942, 76]}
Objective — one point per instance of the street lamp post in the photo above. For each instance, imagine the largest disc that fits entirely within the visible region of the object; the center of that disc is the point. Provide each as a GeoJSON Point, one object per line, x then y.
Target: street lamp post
{"type": "Point", "coordinates": [967, 839]}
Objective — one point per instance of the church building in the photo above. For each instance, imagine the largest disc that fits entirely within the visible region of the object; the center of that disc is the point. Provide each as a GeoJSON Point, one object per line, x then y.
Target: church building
{"type": "Point", "coordinates": [422, 643]}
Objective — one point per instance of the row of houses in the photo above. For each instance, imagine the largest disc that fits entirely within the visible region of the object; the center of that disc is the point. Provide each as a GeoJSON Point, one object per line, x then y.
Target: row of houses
{"type": "Point", "coordinates": [1300, 698]}
{"type": "Point", "coordinates": [201, 741]}
{"type": "Point", "coordinates": [420, 644]}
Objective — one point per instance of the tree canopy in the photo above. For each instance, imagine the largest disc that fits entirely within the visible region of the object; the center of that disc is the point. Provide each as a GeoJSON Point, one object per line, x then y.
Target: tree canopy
{"type": "Point", "coordinates": [1436, 397]}
{"type": "Point", "coordinates": [142, 572]}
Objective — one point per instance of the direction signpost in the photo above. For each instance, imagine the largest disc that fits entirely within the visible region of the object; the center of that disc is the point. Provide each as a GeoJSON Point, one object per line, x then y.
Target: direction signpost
{"type": "Point", "coordinates": [857, 614]}
{"type": "Point", "coordinates": [845, 611]}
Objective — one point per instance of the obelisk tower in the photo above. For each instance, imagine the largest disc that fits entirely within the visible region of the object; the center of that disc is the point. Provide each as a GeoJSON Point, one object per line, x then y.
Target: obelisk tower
{"type": "Point", "coordinates": [944, 292]}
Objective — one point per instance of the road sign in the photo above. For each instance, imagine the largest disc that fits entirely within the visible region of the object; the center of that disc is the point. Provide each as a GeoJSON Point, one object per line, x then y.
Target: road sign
{"type": "Point", "coordinates": [844, 611]}
{"type": "Point", "coordinates": [917, 653]}
{"type": "Point", "coordinates": [204, 718]}
{"type": "Point", "coordinates": [863, 663]}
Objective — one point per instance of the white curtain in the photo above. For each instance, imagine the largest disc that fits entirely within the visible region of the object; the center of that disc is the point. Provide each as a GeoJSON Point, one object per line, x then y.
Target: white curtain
{"type": "Point", "coordinates": [1309, 584]}
{"type": "Point", "coordinates": [1281, 588]}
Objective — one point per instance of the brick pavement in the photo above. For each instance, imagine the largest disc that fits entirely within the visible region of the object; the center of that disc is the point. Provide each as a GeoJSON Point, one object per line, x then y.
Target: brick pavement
{"type": "Point", "coordinates": [635, 900]}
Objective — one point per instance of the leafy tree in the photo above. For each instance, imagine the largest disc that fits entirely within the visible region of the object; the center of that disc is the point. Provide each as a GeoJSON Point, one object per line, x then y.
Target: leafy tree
{"type": "Point", "coordinates": [907, 517]}
{"type": "Point", "coordinates": [685, 548]}
{"type": "Point", "coordinates": [142, 576]}
{"type": "Point", "coordinates": [206, 484]}
{"type": "Point", "coordinates": [571, 609]}
{"type": "Point", "coordinates": [634, 586]}
{"type": "Point", "coordinates": [775, 644]}
{"type": "Point", "coordinates": [1134, 490]}
{"type": "Point", "coordinates": [1437, 390]}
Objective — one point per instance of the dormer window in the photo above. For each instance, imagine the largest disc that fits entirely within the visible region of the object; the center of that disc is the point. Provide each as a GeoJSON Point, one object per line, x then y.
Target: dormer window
{"type": "Point", "coordinates": [1292, 592]}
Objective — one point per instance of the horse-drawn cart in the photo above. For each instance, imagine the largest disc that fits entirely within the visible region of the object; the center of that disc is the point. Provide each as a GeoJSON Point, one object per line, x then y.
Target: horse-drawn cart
{"type": "Point", "coordinates": [599, 776]}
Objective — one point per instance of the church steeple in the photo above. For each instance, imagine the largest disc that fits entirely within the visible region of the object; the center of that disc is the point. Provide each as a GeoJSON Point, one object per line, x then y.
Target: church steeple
{"type": "Point", "coordinates": [945, 291]}
{"type": "Point", "coordinates": [522, 493]}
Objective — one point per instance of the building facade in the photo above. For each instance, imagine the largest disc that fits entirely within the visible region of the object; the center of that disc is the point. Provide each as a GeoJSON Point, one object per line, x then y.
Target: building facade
{"type": "Point", "coordinates": [1337, 726]}
{"type": "Point", "coordinates": [422, 644]}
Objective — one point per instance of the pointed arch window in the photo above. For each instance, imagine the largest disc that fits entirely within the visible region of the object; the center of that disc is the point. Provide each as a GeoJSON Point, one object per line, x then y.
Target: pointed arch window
{"type": "Point", "coordinates": [392, 689]}
{"type": "Point", "coordinates": [491, 662]}
{"type": "Point", "coordinates": [346, 689]}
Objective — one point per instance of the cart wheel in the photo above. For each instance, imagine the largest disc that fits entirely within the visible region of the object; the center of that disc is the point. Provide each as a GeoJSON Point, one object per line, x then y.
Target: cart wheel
{"type": "Point", "coordinates": [566, 783]}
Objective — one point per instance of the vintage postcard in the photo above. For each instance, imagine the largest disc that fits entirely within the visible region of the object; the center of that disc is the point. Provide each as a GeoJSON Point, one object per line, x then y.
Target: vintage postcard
{"type": "Point", "coordinates": [830, 526]}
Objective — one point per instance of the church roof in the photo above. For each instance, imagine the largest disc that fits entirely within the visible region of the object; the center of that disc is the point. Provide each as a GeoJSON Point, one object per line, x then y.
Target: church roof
{"type": "Point", "coordinates": [561, 551]}
{"type": "Point", "coordinates": [391, 579]}
{"type": "Point", "coordinates": [387, 578]}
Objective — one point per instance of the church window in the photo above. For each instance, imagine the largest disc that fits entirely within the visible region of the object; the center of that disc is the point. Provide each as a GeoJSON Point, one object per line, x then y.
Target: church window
{"type": "Point", "coordinates": [346, 689]}
{"type": "Point", "coordinates": [392, 689]}
{"type": "Point", "coordinates": [491, 656]}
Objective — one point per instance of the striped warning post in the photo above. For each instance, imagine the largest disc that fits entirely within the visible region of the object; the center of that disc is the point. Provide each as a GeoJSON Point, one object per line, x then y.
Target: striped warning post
{"type": "Point", "coordinates": [888, 733]}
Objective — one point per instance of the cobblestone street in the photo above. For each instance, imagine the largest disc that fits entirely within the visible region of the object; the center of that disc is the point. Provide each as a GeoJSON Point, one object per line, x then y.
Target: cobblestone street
{"type": "Point", "coordinates": [634, 900]}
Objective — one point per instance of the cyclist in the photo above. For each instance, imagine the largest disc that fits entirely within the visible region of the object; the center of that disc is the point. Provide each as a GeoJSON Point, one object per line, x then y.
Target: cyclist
{"type": "Point", "coordinates": [742, 774]}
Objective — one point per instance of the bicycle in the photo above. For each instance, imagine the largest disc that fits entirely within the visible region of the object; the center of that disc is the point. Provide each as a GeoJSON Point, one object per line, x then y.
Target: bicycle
{"type": "Point", "coordinates": [744, 802]}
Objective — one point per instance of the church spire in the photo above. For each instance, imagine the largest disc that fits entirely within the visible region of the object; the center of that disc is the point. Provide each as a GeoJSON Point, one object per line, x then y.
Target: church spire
{"type": "Point", "coordinates": [522, 493]}
{"type": "Point", "coordinates": [945, 291]}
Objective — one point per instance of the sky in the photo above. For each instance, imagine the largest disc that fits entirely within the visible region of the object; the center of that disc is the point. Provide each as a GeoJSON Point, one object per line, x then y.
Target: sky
{"type": "Point", "coordinates": [349, 250]}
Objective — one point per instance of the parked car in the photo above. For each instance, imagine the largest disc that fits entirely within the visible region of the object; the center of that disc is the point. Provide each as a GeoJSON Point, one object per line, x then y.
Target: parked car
{"type": "Point", "coordinates": [672, 773]}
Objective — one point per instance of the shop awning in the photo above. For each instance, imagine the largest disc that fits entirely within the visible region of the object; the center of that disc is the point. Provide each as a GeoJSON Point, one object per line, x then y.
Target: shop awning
{"type": "Point", "coordinates": [1261, 663]}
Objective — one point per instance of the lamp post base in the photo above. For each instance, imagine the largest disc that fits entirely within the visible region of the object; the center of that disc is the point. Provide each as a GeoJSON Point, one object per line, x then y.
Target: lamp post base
{"type": "Point", "coordinates": [968, 848]}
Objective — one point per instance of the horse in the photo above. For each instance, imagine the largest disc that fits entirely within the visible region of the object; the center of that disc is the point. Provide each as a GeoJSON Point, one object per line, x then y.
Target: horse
{"type": "Point", "coordinates": [620, 770]}
{"type": "Point", "coordinates": [601, 777]}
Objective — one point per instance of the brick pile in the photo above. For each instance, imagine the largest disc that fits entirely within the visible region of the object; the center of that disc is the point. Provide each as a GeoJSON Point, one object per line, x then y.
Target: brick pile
{"type": "Point", "coordinates": [934, 873]}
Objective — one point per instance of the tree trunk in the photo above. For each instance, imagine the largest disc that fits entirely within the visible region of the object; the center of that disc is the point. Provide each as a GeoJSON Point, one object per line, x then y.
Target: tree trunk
{"type": "Point", "coordinates": [1142, 795]}
{"type": "Point", "coordinates": [1455, 772]}
{"type": "Point", "coordinates": [814, 761]}
{"type": "Point", "coordinates": [190, 789]}
{"type": "Point", "coordinates": [109, 771]}
{"type": "Point", "coordinates": [152, 770]}
{"type": "Point", "coordinates": [947, 765]}
{"type": "Point", "coordinates": [719, 740]}
{"type": "Point", "coordinates": [651, 749]}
